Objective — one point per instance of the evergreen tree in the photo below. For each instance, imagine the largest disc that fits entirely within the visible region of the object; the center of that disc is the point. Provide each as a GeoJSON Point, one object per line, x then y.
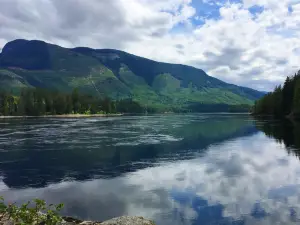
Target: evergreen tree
{"type": "Point", "coordinates": [69, 105]}
{"type": "Point", "coordinates": [277, 101]}
{"type": "Point", "coordinates": [75, 100]}
{"type": "Point", "coordinates": [296, 102]}
{"type": "Point", "coordinates": [49, 104]}
{"type": "Point", "coordinates": [59, 104]}
{"type": "Point", "coordinates": [34, 102]}
{"type": "Point", "coordinates": [40, 105]}
{"type": "Point", "coordinates": [106, 105]}
{"type": "Point", "coordinates": [282, 101]}
{"type": "Point", "coordinates": [21, 104]}
{"type": "Point", "coordinates": [5, 105]}
{"type": "Point", "coordinates": [29, 103]}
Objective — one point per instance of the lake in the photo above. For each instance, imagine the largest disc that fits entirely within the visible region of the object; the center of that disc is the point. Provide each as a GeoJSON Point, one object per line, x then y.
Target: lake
{"type": "Point", "coordinates": [174, 169]}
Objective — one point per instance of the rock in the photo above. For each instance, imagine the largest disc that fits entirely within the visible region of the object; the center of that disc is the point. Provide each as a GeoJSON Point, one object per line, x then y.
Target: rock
{"type": "Point", "coordinates": [78, 222]}
{"type": "Point", "coordinates": [89, 223]}
{"type": "Point", "coordinates": [128, 220]}
{"type": "Point", "coordinates": [71, 220]}
{"type": "Point", "coordinates": [124, 220]}
{"type": "Point", "coordinates": [4, 220]}
{"type": "Point", "coordinates": [7, 222]}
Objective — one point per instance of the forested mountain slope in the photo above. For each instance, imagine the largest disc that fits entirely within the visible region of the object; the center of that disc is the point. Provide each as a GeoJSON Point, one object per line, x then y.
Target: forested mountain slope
{"type": "Point", "coordinates": [116, 74]}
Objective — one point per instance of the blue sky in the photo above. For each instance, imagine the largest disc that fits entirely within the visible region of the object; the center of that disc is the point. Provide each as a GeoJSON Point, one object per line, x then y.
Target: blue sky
{"type": "Point", "coordinates": [209, 9]}
{"type": "Point", "coordinates": [254, 43]}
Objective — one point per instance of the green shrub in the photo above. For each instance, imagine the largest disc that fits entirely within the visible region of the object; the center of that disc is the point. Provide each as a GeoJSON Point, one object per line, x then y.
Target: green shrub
{"type": "Point", "coordinates": [32, 212]}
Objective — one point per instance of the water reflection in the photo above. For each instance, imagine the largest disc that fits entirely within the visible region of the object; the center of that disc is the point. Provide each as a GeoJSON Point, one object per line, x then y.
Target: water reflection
{"type": "Point", "coordinates": [34, 153]}
{"type": "Point", "coordinates": [220, 170]}
{"type": "Point", "coordinates": [284, 131]}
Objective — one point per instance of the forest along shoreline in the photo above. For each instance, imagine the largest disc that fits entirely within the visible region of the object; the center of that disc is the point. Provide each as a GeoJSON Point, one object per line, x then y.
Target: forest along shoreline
{"type": "Point", "coordinates": [64, 116]}
{"type": "Point", "coordinates": [283, 102]}
{"type": "Point", "coordinates": [37, 102]}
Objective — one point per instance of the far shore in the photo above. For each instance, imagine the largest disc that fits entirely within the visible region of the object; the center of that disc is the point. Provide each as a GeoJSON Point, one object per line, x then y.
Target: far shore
{"type": "Point", "coordinates": [110, 115]}
{"type": "Point", "coordinates": [63, 116]}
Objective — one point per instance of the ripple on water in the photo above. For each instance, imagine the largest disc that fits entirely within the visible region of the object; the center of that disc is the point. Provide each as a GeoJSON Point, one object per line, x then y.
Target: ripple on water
{"type": "Point", "coordinates": [149, 139]}
{"type": "Point", "coordinates": [199, 176]}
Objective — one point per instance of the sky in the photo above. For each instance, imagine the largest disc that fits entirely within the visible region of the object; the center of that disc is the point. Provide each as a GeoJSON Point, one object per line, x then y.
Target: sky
{"type": "Point", "coordinates": [254, 43]}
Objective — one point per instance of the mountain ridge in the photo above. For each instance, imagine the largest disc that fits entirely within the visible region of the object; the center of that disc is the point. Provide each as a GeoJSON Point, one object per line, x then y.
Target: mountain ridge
{"type": "Point", "coordinates": [167, 64]}
{"type": "Point", "coordinates": [114, 73]}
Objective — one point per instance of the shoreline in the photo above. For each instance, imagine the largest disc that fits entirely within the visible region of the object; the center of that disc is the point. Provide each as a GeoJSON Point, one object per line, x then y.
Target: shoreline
{"type": "Point", "coordinates": [63, 116]}
{"type": "Point", "coordinates": [123, 220]}
{"type": "Point", "coordinates": [74, 116]}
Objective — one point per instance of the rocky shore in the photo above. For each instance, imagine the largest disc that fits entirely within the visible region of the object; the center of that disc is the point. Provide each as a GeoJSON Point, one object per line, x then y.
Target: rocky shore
{"type": "Point", "coordinates": [124, 220]}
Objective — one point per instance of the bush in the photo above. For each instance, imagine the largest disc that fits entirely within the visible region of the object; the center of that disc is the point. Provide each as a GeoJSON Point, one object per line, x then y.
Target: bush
{"type": "Point", "coordinates": [32, 212]}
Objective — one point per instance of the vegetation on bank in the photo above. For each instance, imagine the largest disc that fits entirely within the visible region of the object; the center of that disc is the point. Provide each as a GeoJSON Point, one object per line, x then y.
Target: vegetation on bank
{"type": "Point", "coordinates": [35, 212]}
{"type": "Point", "coordinates": [38, 102]}
{"type": "Point", "coordinates": [283, 101]}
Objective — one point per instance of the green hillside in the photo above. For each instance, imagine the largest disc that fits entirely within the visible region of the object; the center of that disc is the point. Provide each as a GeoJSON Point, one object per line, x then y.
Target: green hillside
{"type": "Point", "coordinates": [113, 73]}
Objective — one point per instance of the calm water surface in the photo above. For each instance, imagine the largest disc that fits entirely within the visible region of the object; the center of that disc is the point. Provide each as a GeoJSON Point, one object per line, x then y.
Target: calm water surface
{"type": "Point", "coordinates": [173, 169]}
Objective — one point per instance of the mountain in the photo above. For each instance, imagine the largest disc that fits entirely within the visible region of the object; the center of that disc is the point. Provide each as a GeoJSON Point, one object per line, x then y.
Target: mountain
{"type": "Point", "coordinates": [114, 73]}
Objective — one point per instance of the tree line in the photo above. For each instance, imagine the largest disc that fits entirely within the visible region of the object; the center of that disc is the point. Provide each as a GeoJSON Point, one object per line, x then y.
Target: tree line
{"type": "Point", "coordinates": [210, 108]}
{"type": "Point", "coordinates": [283, 101]}
{"type": "Point", "coordinates": [37, 102]}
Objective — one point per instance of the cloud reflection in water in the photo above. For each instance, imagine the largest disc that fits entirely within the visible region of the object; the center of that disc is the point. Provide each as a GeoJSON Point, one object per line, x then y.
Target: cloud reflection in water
{"type": "Point", "coordinates": [250, 180]}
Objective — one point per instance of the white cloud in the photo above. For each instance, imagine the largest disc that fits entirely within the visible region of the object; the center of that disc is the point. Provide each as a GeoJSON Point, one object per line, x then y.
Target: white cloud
{"type": "Point", "coordinates": [238, 47]}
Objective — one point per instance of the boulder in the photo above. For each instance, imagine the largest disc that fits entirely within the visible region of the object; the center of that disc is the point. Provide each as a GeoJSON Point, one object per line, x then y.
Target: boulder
{"type": "Point", "coordinates": [128, 220]}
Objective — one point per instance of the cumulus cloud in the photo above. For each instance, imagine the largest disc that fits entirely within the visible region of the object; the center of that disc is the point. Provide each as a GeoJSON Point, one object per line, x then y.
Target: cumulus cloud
{"type": "Point", "coordinates": [237, 45]}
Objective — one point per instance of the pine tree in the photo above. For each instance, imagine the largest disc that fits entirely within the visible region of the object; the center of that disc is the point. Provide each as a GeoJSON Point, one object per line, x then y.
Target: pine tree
{"type": "Point", "coordinates": [75, 99]}
{"type": "Point", "coordinates": [282, 101]}
{"type": "Point", "coordinates": [5, 105]}
{"type": "Point", "coordinates": [277, 101]}
{"type": "Point", "coordinates": [59, 103]}
{"type": "Point", "coordinates": [40, 105]}
{"type": "Point", "coordinates": [69, 105]}
{"type": "Point", "coordinates": [21, 104]}
{"type": "Point", "coordinates": [40, 102]}
{"type": "Point", "coordinates": [296, 100]}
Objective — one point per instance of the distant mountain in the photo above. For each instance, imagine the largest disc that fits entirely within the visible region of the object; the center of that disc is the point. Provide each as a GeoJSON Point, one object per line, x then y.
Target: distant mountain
{"type": "Point", "coordinates": [114, 73]}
